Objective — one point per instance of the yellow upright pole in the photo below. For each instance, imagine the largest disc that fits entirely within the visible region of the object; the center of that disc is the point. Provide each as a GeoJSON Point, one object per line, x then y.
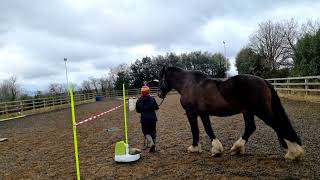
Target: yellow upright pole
{"type": "Point", "coordinates": [125, 112]}
{"type": "Point", "coordinates": [75, 133]}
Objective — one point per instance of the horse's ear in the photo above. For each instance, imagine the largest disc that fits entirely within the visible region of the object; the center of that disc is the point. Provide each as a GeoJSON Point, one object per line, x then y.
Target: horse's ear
{"type": "Point", "coordinates": [163, 69]}
{"type": "Point", "coordinates": [162, 72]}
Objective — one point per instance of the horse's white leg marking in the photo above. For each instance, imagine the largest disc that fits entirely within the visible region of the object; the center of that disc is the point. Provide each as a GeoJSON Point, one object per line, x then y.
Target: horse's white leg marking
{"type": "Point", "coordinates": [194, 149]}
{"type": "Point", "coordinates": [238, 147]}
{"type": "Point", "coordinates": [295, 151]}
{"type": "Point", "coordinates": [217, 148]}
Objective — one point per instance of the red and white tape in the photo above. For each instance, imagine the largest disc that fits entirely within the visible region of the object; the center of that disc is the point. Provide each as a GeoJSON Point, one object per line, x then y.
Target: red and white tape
{"type": "Point", "coordinates": [97, 116]}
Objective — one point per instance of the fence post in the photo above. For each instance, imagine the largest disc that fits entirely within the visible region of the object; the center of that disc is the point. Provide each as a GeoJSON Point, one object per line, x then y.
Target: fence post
{"type": "Point", "coordinates": [6, 108]}
{"type": "Point", "coordinates": [77, 99]}
{"type": "Point", "coordinates": [288, 86]}
{"type": "Point", "coordinates": [44, 103]}
{"type": "Point", "coordinates": [21, 106]}
{"type": "Point", "coordinates": [306, 87]}
{"type": "Point", "coordinates": [33, 105]}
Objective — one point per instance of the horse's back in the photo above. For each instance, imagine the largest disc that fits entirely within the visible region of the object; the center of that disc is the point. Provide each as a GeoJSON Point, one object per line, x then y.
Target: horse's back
{"type": "Point", "coordinates": [247, 90]}
{"type": "Point", "coordinates": [225, 97]}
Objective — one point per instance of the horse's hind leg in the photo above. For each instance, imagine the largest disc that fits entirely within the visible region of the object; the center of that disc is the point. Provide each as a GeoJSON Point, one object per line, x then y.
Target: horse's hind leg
{"type": "Point", "coordinates": [217, 148]}
{"type": "Point", "coordinates": [250, 127]}
{"type": "Point", "coordinates": [286, 134]}
{"type": "Point", "coordinates": [192, 117]}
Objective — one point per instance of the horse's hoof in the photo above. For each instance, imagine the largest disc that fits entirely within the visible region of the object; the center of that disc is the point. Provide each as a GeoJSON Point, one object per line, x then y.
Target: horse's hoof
{"type": "Point", "coordinates": [238, 147]}
{"type": "Point", "coordinates": [295, 151]}
{"type": "Point", "coordinates": [217, 148]}
{"type": "Point", "coordinates": [195, 149]}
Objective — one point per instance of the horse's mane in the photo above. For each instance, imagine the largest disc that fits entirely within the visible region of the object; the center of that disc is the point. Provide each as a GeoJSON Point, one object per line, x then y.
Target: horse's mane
{"type": "Point", "coordinates": [196, 73]}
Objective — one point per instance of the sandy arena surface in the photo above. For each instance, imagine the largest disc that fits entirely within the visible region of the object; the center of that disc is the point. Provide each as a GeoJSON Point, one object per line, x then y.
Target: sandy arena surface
{"type": "Point", "coordinates": [41, 146]}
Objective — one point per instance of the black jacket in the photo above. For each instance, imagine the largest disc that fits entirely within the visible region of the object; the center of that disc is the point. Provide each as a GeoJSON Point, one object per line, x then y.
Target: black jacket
{"type": "Point", "coordinates": [146, 105]}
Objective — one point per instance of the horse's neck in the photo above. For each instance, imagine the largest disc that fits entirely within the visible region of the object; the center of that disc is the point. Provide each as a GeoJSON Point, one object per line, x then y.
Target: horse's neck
{"type": "Point", "coordinates": [177, 80]}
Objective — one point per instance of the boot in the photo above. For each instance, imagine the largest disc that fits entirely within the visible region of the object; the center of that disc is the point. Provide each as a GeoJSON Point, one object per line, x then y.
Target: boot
{"type": "Point", "coordinates": [150, 142]}
{"type": "Point", "coordinates": [153, 148]}
{"type": "Point", "coordinates": [145, 144]}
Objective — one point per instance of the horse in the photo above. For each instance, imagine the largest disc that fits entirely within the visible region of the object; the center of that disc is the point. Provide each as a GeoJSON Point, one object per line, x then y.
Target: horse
{"type": "Point", "coordinates": [250, 95]}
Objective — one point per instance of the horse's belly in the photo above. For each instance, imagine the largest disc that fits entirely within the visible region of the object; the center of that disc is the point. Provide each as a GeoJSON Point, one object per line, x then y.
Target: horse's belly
{"type": "Point", "coordinates": [223, 110]}
{"type": "Point", "coordinates": [224, 113]}
{"type": "Point", "coordinates": [216, 105]}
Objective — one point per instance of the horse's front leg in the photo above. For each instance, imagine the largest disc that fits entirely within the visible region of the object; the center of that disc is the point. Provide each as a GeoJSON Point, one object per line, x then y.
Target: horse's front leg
{"type": "Point", "coordinates": [192, 117]}
{"type": "Point", "coordinates": [217, 147]}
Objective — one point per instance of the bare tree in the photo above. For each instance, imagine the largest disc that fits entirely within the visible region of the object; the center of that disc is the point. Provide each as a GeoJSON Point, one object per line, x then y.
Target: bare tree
{"type": "Point", "coordinates": [310, 27]}
{"type": "Point", "coordinates": [9, 89]}
{"type": "Point", "coordinates": [291, 33]}
{"type": "Point", "coordinates": [109, 84]}
{"type": "Point", "coordinates": [94, 82]}
{"type": "Point", "coordinates": [276, 41]}
{"type": "Point", "coordinates": [113, 73]}
{"type": "Point", "coordinates": [56, 89]}
{"type": "Point", "coordinates": [105, 84]}
{"type": "Point", "coordinates": [86, 87]}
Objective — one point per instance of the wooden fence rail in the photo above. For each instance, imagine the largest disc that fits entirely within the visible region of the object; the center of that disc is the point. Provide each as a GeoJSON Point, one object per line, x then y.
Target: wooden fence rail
{"type": "Point", "coordinates": [309, 85]}
{"type": "Point", "coordinates": [38, 105]}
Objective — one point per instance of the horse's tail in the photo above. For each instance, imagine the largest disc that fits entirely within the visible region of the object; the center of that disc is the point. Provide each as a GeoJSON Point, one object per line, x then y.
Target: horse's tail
{"type": "Point", "coordinates": [283, 125]}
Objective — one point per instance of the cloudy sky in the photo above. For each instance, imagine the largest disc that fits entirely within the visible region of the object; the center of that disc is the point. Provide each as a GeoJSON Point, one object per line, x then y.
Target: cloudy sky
{"type": "Point", "coordinates": [94, 35]}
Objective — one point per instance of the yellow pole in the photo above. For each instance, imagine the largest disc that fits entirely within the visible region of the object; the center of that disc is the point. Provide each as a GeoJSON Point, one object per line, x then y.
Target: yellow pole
{"type": "Point", "coordinates": [75, 133]}
{"type": "Point", "coordinates": [125, 112]}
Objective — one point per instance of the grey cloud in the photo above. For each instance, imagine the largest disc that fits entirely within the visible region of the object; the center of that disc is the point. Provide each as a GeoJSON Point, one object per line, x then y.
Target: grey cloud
{"type": "Point", "coordinates": [101, 35]}
{"type": "Point", "coordinates": [39, 73]}
{"type": "Point", "coordinates": [156, 22]}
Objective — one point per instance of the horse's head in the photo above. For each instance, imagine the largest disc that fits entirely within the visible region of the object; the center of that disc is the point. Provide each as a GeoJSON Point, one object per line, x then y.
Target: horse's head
{"type": "Point", "coordinates": [164, 86]}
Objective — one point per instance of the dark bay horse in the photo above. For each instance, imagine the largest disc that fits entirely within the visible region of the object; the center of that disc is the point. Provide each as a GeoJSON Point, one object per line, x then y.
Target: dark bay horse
{"type": "Point", "coordinates": [250, 95]}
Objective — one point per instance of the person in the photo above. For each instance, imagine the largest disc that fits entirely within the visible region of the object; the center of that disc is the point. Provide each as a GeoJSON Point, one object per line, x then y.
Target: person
{"type": "Point", "coordinates": [147, 105]}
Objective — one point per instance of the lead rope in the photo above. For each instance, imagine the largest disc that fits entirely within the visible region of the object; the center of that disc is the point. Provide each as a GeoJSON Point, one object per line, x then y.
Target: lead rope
{"type": "Point", "coordinates": [161, 102]}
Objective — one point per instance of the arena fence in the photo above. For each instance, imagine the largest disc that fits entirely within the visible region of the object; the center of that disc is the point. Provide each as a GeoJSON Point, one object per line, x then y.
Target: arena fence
{"type": "Point", "coordinates": [308, 86]}
{"type": "Point", "coordinates": [298, 88]}
{"type": "Point", "coordinates": [20, 108]}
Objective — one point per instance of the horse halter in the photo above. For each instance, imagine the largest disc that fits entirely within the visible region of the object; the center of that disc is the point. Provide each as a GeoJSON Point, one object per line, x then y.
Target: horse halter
{"type": "Point", "coordinates": [163, 86]}
{"type": "Point", "coordinates": [164, 83]}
